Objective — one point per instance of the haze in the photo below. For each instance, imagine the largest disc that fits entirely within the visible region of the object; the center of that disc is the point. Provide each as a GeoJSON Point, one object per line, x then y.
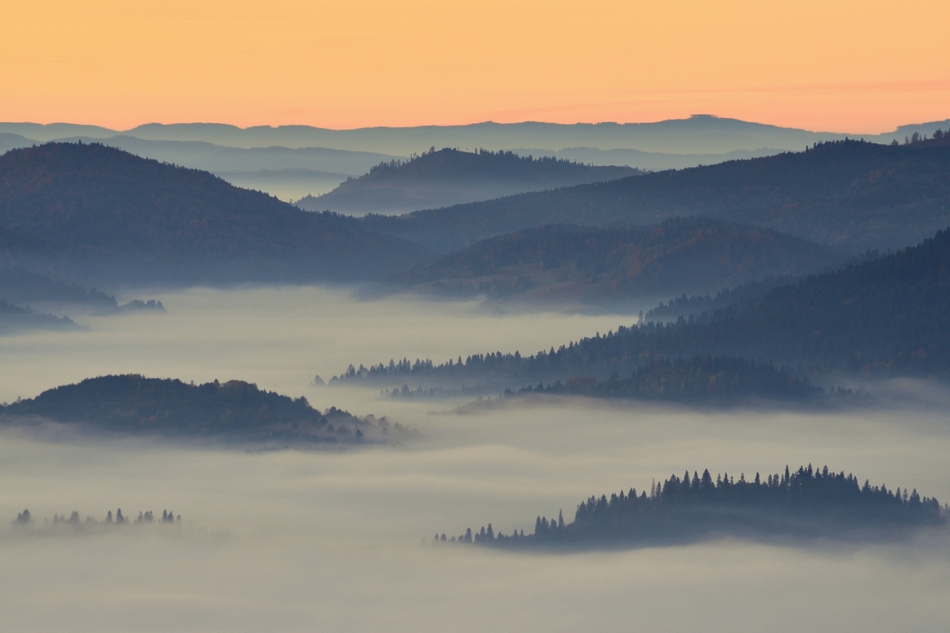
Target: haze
{"type": "Point", "coordinates": [330, 540]}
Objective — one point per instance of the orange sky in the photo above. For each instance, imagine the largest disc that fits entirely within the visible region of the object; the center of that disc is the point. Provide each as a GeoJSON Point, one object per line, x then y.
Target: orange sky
{"type": "Point", "coordinates": [845, 66]}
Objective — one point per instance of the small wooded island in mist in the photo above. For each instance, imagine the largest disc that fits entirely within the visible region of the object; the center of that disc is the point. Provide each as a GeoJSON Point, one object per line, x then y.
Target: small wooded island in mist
{"type": "Point", "coordinates": [233, 411]}
{"type": "Point", "coordinates": [803, 505]}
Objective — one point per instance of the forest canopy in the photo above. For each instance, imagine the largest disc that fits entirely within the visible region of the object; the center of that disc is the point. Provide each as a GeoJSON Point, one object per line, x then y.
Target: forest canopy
{"type": "Point", "coordinates": [234, 410]}
{"type": "Point", "coordinates": [806, 504]}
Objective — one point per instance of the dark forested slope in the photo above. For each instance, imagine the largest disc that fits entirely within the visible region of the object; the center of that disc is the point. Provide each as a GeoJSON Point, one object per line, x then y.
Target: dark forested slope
{"type": "Point", "coordinates": [118, 217]}
{"type": "Point", "coordinates": [234, 410]}
{"type": "Point", "coordinates": [849, 193]}
{"type": "Point", "coordinates": [805, 504]}
{"type": "Point", "coordinates": [558, 262]}
{"type": "Point", "coordinates": [890, 315]}
{"type": "Point", "coordinates": [449, 176]}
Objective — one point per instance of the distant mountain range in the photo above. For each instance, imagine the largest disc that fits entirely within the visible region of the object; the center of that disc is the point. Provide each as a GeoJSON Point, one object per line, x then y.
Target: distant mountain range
{"type": "Point", "coordinates": [440, 178]}
{"type": "Point", "coordinates": [292, 162]}
{"type": "Point", "coordinates": [849, 194]}
{"type": "Point", "coordinates": [561, 264]}
{"type": "Point", "coordinates": [699, 134]}
{"type": "Point", "coordinates": [112, 217]}
{"type": "Point", "coordinates": [102, 216]}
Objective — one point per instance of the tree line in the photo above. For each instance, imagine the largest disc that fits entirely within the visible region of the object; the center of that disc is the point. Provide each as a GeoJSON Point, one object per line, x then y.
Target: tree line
{"type": "Point", "coordinates": [807, 503]}
{"type": "Point", "coordinates": [24, 519]}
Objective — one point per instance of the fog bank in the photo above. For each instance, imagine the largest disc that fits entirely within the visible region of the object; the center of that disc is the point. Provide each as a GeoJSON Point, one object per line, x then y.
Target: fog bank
{"type": "Point", "coordinates": [333, 540]}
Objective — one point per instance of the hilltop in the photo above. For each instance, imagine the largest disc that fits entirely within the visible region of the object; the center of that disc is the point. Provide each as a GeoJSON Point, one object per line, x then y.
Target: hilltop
{"type": "Point", "coordinates": [849, 194]}
{"type": "Point", "coordinates": [108, 215]}
{"type": "Point", "coordinates": [234, 410]}
{"type": "Point", "coordinates": [797, 506]}
{"type": "Point", "coordinates": [558, 263]}
{"type": "Point", "coordinates": [449, 176]}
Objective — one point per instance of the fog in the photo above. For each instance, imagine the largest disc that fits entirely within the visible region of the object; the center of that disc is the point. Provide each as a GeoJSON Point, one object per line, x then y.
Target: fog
{"type": "Point", "coordinates": [333, 540]}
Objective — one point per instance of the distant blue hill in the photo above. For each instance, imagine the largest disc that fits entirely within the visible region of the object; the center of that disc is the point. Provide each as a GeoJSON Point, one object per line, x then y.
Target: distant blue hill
{"type": "Point", "coordinates": [113, 217]}
{"type": "Point", "coordinates": [849, 194]}
{"type": "Point", "coordinates": [440, 178]}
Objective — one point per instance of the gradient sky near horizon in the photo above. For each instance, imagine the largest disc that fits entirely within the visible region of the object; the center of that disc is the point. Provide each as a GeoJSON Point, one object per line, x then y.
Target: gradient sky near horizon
{"type": "Point", "coordinates": [843, 66]}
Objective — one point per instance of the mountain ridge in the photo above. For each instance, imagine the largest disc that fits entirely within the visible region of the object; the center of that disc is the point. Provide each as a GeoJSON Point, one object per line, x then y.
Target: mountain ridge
{"type": "Point", "coordinates": [114, 217]}
{"type": "Point", "coordinates": [851, 194]}
{"type": "Point", "coordinates": [439, 178]}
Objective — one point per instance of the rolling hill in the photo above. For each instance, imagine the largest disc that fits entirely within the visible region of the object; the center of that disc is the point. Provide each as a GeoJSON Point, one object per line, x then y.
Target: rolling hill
{"type": "Point", "coordinates": [887, 316]}
{"type": "Point", "coordinates": [849, 194]}
{"type": "Point", "coordinates": [449, 176]}
{"type": "Point", "coordinates": [559, 263]}
{"type": "Point", "coordinates": [116, 218]}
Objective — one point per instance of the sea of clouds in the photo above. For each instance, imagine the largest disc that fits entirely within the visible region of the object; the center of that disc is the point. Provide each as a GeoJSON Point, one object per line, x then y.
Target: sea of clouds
{"type": "Point", "coordinates": [340, 540]}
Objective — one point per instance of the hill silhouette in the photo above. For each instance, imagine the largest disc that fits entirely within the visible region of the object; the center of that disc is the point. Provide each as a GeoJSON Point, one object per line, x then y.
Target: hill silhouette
{"type": "Point", "coordinates": [15, 318]}
{"type": "Point", "coordinates": [235, 410]}
{"type": "Point", "coordinates": [697, 134]}
{"type": "Point", "coordinates": [557, 263]}
{"type": "Point", "coordinates": [449, 176]}
{"type": "Point", "coordinates": [800, 505]}
{"type": "Point", "coordinates": [887, 316]}
{"type": "Point", "coordinates": [850, 194]}
{"type": "Point", "coordinates": [112, 216]}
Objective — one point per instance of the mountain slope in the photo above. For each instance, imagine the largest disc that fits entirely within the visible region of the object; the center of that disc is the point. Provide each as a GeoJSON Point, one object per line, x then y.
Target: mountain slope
{"type": "Point", "coordinates": [117, 217]}
{"type": "Point", "coordinates": [890, 315]}
{"type": "Point", "coordinates": [448, 176]}
{"type": "Point", "coordinates": [561, 262]}
{"type": "Point", "coordinates": [851, 194]}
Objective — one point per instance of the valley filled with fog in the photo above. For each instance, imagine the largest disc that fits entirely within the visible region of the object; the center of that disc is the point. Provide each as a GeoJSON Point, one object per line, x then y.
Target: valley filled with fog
{"type": "Point", "coordinates": [341, 539]}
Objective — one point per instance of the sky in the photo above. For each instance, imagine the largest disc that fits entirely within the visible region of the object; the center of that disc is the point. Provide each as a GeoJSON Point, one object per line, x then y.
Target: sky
{"type": "Point", "coordinates": [844, 66]}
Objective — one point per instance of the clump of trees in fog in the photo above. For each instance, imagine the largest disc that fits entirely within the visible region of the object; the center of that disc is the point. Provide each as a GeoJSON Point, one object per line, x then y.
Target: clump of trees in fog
{"type": "Point", "coordinates": [25, 519]}
{"type": "Point", "coordinates": [807, 503]}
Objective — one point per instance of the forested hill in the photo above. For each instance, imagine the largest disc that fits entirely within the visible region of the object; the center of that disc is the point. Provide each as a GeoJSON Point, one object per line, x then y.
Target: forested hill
{"type": "Point", "coordinates": [558, 263]}
{"type": "Point", "coordinates": [116, 217]}
{"type": "Point", "coordinates": [802, 505]}
{"type": "Point", "coordinates": [449, 176]}
{"type": "Point", "coordinates": [849, 193]}
{"type": "Point", "coordinates": [235, 410]}
{"type": "Point", "coordinates": [890, 316]}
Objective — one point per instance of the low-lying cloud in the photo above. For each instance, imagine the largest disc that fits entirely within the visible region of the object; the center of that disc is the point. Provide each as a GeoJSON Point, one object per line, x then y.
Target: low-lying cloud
{"type": "Point", "coordinates": [339, 540]}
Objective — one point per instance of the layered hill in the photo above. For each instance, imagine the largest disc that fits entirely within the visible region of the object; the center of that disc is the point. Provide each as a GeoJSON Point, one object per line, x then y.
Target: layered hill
{"type": "Point", "coordinates": [887, 316]}
{"type": "Point", "coordinates": [113, 216]}
{"type": "Point", "coordinates": [449, 176]}
{"type": "Point", "coordinates": [850, 194]}
{"type": "Point", "coordinates": [558, 263]}
{"type": "Point", "coordinates": [698, 134]}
